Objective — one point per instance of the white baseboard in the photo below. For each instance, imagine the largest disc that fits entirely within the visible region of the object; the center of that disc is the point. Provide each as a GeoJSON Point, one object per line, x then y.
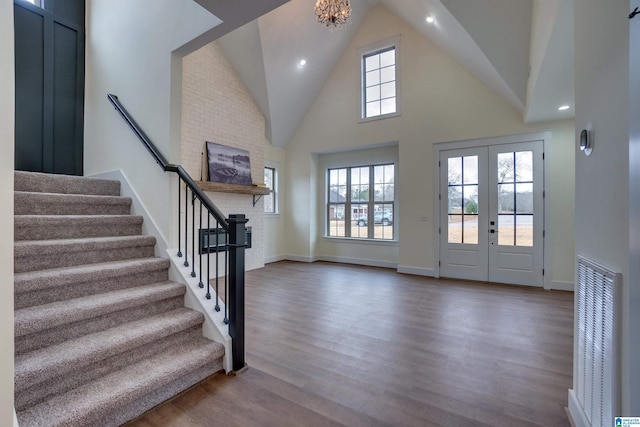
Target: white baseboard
{"type": "Point", "coordinates": [417, 271]}
{"type": "Point", "coordinates": [15, 418]}
{"type": "Point", "coordinates": [213, 327]}
{"type": "Point", "coordinates": [342, 260]}
{"type": "Point", "coordinates": [576, 412]}
{"type": "Point", "coordinates": [358, 261]}
{"type": "Point", "coordinates": [299, 258]}
{"type": "Point", "coordinates": [149, 226]}
{"type": "Point", "coordinates": [558, 285]}
{"type": "Point", "coordinates": [275, 258]}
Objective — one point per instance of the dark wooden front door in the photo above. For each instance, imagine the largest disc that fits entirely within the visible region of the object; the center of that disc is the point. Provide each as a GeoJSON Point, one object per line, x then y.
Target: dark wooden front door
{"type": "Point", "coordinates": [49, 99]}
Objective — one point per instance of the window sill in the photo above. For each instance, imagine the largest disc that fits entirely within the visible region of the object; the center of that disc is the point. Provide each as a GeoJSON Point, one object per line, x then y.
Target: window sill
{"type": "Point", "coordinates": [273, 215]}
{"type": "Point", "coordinates": [361, 241]}
{"type": "Point", "coordinates": [382, 117]}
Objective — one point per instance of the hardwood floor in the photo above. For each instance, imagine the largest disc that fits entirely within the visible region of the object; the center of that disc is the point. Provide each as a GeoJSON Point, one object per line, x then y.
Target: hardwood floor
{"type": "Point", "coordinates": [332, 344]}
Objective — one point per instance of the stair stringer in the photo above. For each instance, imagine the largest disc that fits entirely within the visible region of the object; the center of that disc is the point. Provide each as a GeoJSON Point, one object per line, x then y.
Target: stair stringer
{"type": "Point", "coordinates": [213, 327]}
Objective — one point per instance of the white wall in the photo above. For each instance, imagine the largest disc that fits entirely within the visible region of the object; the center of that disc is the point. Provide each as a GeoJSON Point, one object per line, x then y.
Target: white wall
{"type": "Point", "coordinates": [7, 113]}
{"type": "Point", "coordinates": [543, 17]}
{"type": "Point", "coordinates": [632, 370]}
{"type": "Point", "coordinates": [439, 101]}
{"type": "Point", "coordinates": [129, 53]}
{"type": "Point", "coordinates": [560, 186]}
{"type": "Point", "coordinates": [602, 180]}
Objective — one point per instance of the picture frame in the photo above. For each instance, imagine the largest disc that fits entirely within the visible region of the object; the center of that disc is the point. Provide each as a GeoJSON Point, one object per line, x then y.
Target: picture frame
{"type": "Point", "coordinates": [228, 165]}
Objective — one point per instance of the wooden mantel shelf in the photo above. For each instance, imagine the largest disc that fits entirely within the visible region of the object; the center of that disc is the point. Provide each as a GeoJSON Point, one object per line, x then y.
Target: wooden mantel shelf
{"type": "Point", "coordinates": [219, 187]}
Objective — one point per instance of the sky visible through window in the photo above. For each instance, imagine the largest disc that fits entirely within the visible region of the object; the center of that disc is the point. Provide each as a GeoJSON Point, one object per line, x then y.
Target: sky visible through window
{"type": "Point", "coordinates": [379, 83]}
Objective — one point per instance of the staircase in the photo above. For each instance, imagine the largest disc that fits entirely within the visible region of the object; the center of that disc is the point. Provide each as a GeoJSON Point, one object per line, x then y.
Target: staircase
{"type": "Point", "coordinates": [101, 334]}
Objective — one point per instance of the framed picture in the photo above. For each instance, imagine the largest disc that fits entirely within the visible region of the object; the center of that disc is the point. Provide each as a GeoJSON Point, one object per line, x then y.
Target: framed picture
{"type": "Point", "coordinates": [227, 164]}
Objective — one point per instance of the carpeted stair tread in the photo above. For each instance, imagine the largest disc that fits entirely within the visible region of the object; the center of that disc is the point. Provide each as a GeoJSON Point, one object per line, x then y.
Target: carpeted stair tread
{"type": "Point", "coordinates": [29, 203]}
{"type": "Point", "coordinates": [46, 286]}
{"type": "Point", "coordinates": [56, 277]}
{"type": "Point", "coordinates": [58, 360]}
{"type": "Point", "coordinates": [46, 227]}
{"type": "Point", "coordinates": [48, 183]}
{"type": "Point", "coordinates": [39, 247]}
{"type": "Point", "coordinates": [56, 335]}
{"type": "Point", "coordinates": [101, 334]}
{"type": "Point", "coordinates": [30, 255]}
{"type": "Point", "coordinates": [42, 391]}
{"type": "Point", "coordinates": [138, 407]}
{"type": "Point", "coordinates": [48, 316]}
{"type": "Point", "coordinates": [92, 403]}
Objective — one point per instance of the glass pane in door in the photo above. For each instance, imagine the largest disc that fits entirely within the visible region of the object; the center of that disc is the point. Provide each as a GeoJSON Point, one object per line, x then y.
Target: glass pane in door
{"type": "Point", "coordinates": [462, 199]}
{"type": "Point", "coordinates": [515, 198]}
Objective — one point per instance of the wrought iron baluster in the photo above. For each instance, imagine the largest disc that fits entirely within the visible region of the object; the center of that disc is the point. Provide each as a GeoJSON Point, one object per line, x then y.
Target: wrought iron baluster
{"type": "Point", "coordinates": [226, 281]}
{"type": "Point", "coordinates": [208, 255]}
{"type": "Point", "coordinates": [201, 285]}
{"type": "Point", "coordinates": [186, 226]}
{"type": "Point", "coordinates": [193, 234]}
{"type": "Point", "coordinates": [179, 189]}
{"type": "Point", "coordinates": [217, 307]}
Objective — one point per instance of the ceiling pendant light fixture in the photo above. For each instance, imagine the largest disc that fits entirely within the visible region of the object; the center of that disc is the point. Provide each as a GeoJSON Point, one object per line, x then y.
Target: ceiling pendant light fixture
{"type": "Point", "coordinates": [334, 14]}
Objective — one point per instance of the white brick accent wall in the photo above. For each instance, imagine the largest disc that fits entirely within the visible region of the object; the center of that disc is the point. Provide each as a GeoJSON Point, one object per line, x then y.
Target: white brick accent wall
{"type": "Point", "coordinates": [217, 107]}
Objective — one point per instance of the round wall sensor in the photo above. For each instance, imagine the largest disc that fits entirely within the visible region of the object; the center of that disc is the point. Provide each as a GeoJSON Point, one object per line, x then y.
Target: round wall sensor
{"type": "Point", "coordinates": [586, 139]}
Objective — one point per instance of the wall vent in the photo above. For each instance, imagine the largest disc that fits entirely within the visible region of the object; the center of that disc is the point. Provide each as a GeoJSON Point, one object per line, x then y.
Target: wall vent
{"type": "Point", "coordinates": [594, 399]}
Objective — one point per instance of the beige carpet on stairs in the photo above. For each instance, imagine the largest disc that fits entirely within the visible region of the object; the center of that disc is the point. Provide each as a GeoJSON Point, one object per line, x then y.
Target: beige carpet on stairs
{"type": "Point", "coordinates": [101, 334]}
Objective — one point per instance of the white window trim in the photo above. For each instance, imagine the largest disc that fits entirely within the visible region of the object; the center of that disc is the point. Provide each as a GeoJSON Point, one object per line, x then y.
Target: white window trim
{"type": "Point", "coordinates": [362, 240]}
{"type": "Point", "coordinates": [364, 50]}
{"type": "Point", "coordinates": [275, 192]}
{"type": "Point", "coordinates": [352, 239]}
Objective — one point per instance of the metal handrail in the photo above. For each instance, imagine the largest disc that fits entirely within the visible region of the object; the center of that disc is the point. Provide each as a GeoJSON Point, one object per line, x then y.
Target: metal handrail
{"type": "Point", "coordinates": [235, 227]}
{"type": "Point", "coordinates": [169, 167]}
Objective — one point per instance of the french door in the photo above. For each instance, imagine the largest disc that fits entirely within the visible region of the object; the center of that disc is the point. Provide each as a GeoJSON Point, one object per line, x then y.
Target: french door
{"type": "Point", "coordinates": [492, 213]}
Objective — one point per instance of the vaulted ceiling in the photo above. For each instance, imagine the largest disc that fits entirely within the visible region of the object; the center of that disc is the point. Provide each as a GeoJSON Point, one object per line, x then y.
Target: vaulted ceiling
{"type": "Point", "coordinates": [522, 49]}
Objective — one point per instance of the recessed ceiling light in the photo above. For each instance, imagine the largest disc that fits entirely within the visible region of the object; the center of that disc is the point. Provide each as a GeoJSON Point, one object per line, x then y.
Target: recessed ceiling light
{"type": "Point", "coordinates": [302, 63]}
{"type": "Point", "coordinates": [563, 107]}
{"type": "Point", "coordinates": [430, 19]}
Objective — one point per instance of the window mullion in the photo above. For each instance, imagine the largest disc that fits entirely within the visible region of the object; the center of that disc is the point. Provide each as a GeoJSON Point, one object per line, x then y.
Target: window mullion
{"type": "Point", "coordinates": [347, 225]}
{"type": "Point", "coordinates": [370, 205]}
{"type": "Point", "coordinates": [328, 214]}
{"type": "Point", "coordinates": [352, 208]}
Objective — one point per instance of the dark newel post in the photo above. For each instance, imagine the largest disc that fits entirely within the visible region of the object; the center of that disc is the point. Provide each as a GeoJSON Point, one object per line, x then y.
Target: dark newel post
{"type": "Point", "coordinates": [237, 242]}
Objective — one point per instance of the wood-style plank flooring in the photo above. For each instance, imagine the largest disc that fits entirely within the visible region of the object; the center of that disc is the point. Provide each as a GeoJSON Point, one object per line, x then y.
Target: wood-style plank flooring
{"type": "Point", "coordinates": [332, 344]}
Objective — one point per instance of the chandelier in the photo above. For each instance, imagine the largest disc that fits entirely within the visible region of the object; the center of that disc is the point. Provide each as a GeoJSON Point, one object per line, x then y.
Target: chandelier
{"type": "Point", "coordinates": [334, 14]}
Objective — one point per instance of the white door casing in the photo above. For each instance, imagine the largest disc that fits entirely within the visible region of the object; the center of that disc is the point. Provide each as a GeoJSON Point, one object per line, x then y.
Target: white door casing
{"type": "Point", "coordinates": [491, 210]}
